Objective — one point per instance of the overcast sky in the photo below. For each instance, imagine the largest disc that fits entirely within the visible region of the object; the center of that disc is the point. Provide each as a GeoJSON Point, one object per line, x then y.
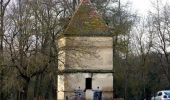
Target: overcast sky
{"type": "Point", "coordinates": [142, 6]}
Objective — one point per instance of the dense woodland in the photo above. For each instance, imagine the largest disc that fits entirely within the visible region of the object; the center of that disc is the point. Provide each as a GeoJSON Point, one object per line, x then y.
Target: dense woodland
{"type": "Point", "coordinates": [29, 30]}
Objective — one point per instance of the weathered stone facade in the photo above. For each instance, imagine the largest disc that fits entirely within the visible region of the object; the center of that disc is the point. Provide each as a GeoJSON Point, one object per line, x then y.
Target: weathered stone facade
{"type": "Point", "coordinates": [86, 57]}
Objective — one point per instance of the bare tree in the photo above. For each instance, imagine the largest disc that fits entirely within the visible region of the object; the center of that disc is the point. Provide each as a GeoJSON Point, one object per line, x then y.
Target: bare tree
{"type": "Point", "coordinates": [161, 21]}
{"type": "Point", "coordinates": [3, 6]}
{"type": "Point", "coordinates": [30, 42]}
{"type": "Point", "coordinates": [142, 44]}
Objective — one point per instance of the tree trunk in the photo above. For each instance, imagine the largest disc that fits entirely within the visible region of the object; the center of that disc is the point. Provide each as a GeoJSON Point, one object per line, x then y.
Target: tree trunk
{"type": "Point", "coordinates": [1, 50]}
{"type": "Point", "coordinates": [36, 87]}
{"type": "Point", "coordinates": [74, 5]}
{"type": "Point", "coordinates": [25, 91]}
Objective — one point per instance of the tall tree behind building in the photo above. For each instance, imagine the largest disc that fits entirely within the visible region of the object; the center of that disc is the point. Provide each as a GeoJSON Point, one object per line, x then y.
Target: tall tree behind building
{"type": "Point", "coordinates": [3, 6]}
{"type": "Point", "coordinates": [160, 18]}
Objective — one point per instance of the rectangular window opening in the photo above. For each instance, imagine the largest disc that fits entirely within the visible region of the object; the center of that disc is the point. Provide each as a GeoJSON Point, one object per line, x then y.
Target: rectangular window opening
{"type": "Point", "coordinates": [88, 83]}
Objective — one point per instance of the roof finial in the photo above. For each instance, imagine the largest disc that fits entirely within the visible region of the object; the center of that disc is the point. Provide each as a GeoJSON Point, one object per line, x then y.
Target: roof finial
{"type": "Point", "coordinates": [86, 1]}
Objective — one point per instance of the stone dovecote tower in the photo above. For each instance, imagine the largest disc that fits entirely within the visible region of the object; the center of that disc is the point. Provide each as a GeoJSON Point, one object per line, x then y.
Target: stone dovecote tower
{"type": "Point", "coordinates": [86, 57]}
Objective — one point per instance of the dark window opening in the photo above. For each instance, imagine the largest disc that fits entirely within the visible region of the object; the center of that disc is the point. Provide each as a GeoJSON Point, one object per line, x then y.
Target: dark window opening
{"type": "Point", "coordinates": [88, 83]}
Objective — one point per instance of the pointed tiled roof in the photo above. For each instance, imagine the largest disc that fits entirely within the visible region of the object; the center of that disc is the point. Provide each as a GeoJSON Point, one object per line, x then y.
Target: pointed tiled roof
{"type": "Point", "coordinates": [86, 21]}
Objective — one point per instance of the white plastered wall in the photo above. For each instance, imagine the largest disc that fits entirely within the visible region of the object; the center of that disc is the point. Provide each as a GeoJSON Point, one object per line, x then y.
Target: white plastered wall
{"type": "Point", "coordinates": [103, 81]}
{"type": "Point", "coordinates": [98, 55]}
{"type": "Point", "coordinates": [89, 53]}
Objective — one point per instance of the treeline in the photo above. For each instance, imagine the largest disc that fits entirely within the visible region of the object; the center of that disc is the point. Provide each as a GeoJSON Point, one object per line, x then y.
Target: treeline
{"type": "Point", "coordinates": [29, 51]}
{"type": "Point", "coordinates": [143, 69]}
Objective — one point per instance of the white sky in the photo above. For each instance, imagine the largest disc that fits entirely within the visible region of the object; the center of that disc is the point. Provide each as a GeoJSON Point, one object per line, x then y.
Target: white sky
{"type": "Point", "coordinates": [143, 6]}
